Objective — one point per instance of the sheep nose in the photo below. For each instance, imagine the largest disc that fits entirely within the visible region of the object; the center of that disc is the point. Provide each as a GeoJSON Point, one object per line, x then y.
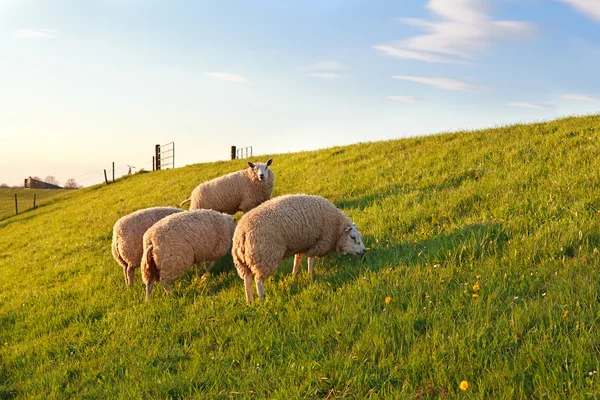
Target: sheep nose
{"type": "Point", "coordinates": [261, 176]}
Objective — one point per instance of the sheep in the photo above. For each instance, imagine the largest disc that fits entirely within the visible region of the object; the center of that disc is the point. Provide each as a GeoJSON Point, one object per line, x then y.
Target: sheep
{"type": "Point", "coordinates": [128, 232]}
{"type": "Point", "coordinates": [238, 191]}
{"type": "Point", "coordinates": [176, 242]}
{"type": "Point", "coordinates": [292, 224]}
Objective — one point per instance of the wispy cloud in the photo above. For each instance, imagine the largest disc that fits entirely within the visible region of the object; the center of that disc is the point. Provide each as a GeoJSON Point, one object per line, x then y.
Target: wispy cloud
{"type": "Point", "coordinates": [329, 75]}
{"type": "Point", "coordinates": [463, 29]}
{"type": "Point", "coordinates": [228, 77]}
{"type": "Point", "coordinates": [442, 83]}
{"type": "Point", "coordinates": [580, 97]}
{"type": "Point", "coordinates": [405, 99]}
{"type": "Point", "coordinates": [526, 104]}
{"type": "Point", "coordinates": [591, 8]}
{"type": "Point", "coordinates": [326, 66]}
{"type": "Point", "coordinates": [35, 33]}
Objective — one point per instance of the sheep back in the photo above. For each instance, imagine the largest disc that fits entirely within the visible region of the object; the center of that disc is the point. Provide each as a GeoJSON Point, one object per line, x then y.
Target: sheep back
{"type": "Point", "coordinates": [237, 191]}
{"type": "Point", "coordinates": [284, 226]}
{"type": "Point", "coordinates": [180, 240]}
{"type": "Point", "coordinates": [128, 232]}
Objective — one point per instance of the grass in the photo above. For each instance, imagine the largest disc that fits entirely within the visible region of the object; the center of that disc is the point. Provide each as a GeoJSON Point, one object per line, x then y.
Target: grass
{"type": "Point", "coordinates": [25, 199]}
{"type": "Point", "coordinates": [514, 210]}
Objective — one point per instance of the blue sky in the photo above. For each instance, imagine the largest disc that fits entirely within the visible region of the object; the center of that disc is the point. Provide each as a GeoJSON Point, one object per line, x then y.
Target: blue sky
{"type": "Point", "coordinates": [86, 83]}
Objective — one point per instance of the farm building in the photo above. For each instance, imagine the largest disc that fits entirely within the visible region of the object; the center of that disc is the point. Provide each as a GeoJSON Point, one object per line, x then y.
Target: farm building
{"type": "Point", "coordinates": [31, 183]}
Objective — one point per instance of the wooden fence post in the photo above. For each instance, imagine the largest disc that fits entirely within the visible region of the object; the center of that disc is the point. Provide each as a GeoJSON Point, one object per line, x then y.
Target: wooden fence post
{"type": "Point", "coordinates": [16, 205]}
{"type": "Point", "coordinates": [153, 166]}
{"type": "Point", "coordinates": [34, 195]}
{"type": "Point", "coordinates": [113, 171]}
{"type": "Point", "coordinates": [105, 178]}
{"type": "Point", "coordinates": [157, 151]}
{"type": "Point", "coordinates": [233, 152]}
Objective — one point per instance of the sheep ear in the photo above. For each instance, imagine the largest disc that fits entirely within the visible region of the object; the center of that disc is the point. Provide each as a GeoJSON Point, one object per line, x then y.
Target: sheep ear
{"type": "Point", "coordinates": [250, 164]}
{"type": "Point", "coordinates": [269, 162]}
{"type": "Point", "coordinates": [346, 229]}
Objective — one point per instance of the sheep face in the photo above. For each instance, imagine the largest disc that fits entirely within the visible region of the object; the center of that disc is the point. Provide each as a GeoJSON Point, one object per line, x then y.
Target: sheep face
{"type": "Point", "coordinates": [351, 241]}
{"type": "Point", "coordinates": [261, 170]}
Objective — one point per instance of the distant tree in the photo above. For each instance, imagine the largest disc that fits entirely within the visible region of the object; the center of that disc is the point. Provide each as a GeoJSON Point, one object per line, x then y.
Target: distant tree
{"type": "Point", "coordinates": [3, 185]}
{"type": "Point", "coordinates": [71, 184]}
{"type": "Point", "coordinates": [51, 180]}
{"type": "Point", "coordinates": [37, 178]}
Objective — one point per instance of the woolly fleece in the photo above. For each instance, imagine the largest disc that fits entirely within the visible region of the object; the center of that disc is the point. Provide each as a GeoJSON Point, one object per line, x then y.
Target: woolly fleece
{"type": "Point", "coordinates": [128, 232]}
{"type": "Point", "coordinates": [237, 191]}
{"type": "Point", "coordinates": [177, 242]}
{"type": "Point", "coordinates": [285, 226]}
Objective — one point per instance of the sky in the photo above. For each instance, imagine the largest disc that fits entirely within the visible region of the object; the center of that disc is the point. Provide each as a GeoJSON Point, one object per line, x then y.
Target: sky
{"type": "Point", "coordinates": [84, 84]}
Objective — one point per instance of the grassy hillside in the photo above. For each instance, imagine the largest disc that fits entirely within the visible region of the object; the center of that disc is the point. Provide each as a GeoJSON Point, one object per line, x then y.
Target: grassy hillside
{"type": "Point", "coordinates": [483, 268]}
{"type": "Point", "coordinates": [25, 199]}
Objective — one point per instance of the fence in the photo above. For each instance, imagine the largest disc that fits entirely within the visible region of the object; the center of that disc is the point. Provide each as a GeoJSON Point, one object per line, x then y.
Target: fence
{"type": "Point", "coordinates": [243, 152]}
{"type": "Point", "coordinates": [165, 156]}
{"type": "Point", "coordinates": [17, 201]}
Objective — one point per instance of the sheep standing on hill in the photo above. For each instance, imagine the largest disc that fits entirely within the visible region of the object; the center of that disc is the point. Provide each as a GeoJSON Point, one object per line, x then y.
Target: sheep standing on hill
{"type": "Point", "coordinates": [175, 243]}
{"type": "Point", "coordinates": [128, 232]}
{"type": "Point", "coordinates": [287, 225]}
{"type": "Point", "coordinates": [238, 191]}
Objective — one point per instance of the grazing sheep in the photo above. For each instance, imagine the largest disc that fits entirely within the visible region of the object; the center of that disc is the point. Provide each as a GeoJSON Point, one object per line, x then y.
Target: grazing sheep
{"type": "Point", "coordinates": [128, 232]}
{"type": "Point", "coordinates": [287, 225]}
{"type": "Point", "coordinates": [238, 191]}
{"type": "Point", "coordinates": [176, 242]}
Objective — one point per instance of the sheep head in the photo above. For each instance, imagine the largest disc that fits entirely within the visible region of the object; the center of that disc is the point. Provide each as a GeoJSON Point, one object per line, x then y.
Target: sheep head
{"type": "Point", "coordinates": [350, 241]}
{"type": "Point", "coordinates": [260, 170]}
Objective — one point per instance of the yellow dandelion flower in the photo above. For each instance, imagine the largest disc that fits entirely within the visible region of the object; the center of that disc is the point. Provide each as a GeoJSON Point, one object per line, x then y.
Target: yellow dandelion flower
{"type": "Point", "coordinates": [475, 295]}
{"type": "Point", "coordinates": [464, 385]}
{"type": "Point", "coordinates": [388, 300]}
{"type": "Point", "coordinates": [477, 276]}
{"type": "Point", "coordinates": [338, 332]}
{"type": "Point", "coordinates": [367, 248]}
{"type": "Point", "coordinates": [476, 287]}
{"type": "Point", "coordinates": [565, 313]}
{"type": "Point", "coordinates": [397, 368]}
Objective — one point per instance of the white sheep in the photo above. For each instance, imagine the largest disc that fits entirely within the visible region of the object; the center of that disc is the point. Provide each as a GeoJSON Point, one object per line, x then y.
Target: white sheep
{"type": "Point", "coordinates": [290, 225]}
{"type": "Point", "coordinates": [238, 191]}
{"type": "Point", "coordinates": [175, 243]}
{"type": "Point", "coordinates": [128, 232]}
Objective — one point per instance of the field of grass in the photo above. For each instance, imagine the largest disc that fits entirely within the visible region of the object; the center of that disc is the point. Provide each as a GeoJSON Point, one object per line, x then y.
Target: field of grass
{"type": "Point", "coordinates": [483, 267]}
{"type": "Point", "coordinates": [25, 199]}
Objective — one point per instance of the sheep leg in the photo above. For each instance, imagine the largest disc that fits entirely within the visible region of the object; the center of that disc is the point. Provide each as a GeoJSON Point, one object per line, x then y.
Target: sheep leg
{"type": "Point", "coordinates": [311, 264]}
{"type": "Point", "coordinates": [149, 285]}
{"type": "Point", "coordinates": [260, 288]}
{"type": "Point", "coordinates": [166, 286]}
{"type": "Point", "coordinates": [297, 261]}
{"type": "Point", "coordinates": [130, 272]}
{"type": "Point", "coordinates": [207, 271]}
{"type": "Point", "coordinates": [248, 286]}
{"type": "Point", "coordinates": [126, 276]}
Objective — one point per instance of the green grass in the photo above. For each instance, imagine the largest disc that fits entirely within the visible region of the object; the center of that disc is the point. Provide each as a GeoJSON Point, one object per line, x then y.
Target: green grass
{"type": "Point", "coordinates": [25, 199]}
{"type": "Point", "coordinates": [514, 209]}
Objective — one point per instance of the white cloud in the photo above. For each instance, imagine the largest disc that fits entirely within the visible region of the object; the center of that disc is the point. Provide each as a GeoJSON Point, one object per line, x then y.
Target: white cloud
{"type": "Point", "coordinates": [591, 8]}
{"type": "Point", "coordinates": [329, 75]}
{"type": "Point", "coordinates": [35, 33]}
{"type": "Point", "coordinates": [326, 65]}
{"type": "Point", "coordinates": [463, 29]}
{"type": "Point", "coordinates": [525, 104]}
{"type": "Point", "coordinates": [580, 97]}
{"type": "Point", "coordinates": [405, 99]}
{"type": "Point", "coordinates": [228, 77]}
{"type": "Point", "coordinates": [442, 83]}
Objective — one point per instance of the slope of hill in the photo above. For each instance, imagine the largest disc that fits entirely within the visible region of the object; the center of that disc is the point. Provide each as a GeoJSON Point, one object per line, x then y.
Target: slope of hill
{"type": "Point", "coordinates": [25, 199]}
{"type": "Point", "coordinates": [483, 267]}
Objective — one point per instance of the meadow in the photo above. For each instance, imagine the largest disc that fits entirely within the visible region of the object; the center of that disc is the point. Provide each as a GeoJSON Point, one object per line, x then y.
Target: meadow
{"type": "Point", "coordinates": [483, 268]}
{"type": "Point", "coordinates": [24, 199]}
